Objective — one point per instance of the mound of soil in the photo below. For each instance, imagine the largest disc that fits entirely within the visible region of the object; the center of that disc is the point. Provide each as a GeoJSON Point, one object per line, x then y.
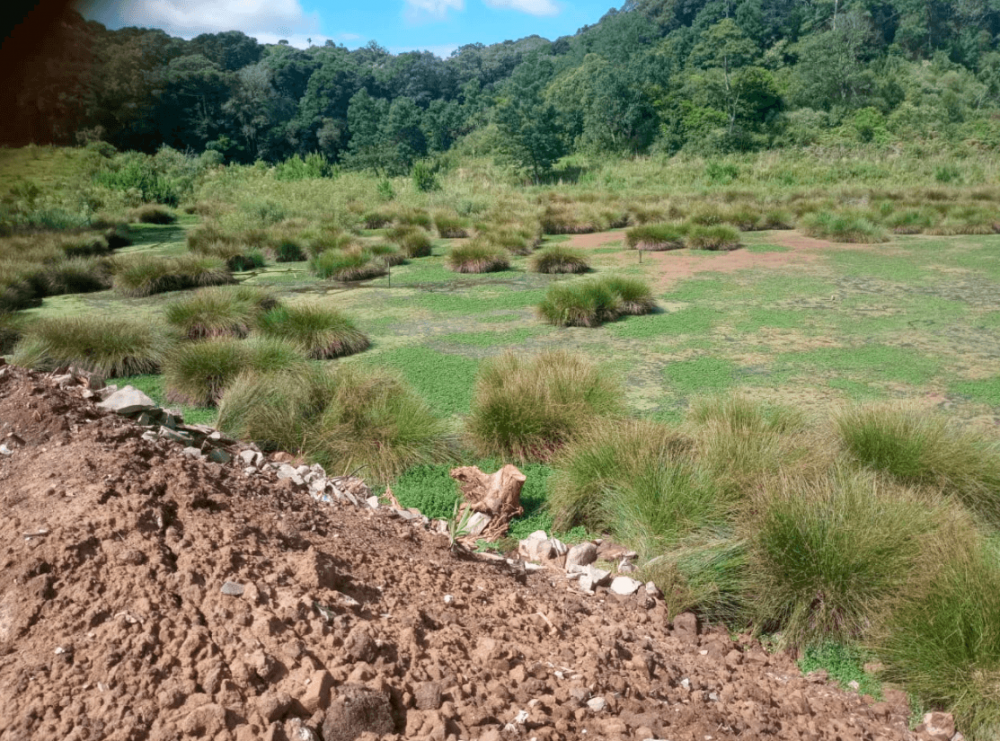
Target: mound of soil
{"type": "Point", "coordinates": [145, 594]}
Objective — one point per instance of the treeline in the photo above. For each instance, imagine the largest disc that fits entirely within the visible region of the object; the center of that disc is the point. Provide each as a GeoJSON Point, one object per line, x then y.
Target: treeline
{"type": "Point", "coordinates": [709, 76]}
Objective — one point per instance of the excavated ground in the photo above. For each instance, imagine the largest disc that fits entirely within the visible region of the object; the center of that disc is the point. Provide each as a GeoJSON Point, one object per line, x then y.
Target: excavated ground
{"type": "Point", "coordinates": [114, 623]}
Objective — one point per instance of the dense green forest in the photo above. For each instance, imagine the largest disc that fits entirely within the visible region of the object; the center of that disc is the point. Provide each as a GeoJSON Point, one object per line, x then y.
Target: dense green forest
{"type": "Point", "coordinates": [703, 76]}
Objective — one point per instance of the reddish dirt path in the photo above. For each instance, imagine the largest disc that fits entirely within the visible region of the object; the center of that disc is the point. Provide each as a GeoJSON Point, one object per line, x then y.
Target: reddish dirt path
{"type": "Point", "coordinates": [675, 265]}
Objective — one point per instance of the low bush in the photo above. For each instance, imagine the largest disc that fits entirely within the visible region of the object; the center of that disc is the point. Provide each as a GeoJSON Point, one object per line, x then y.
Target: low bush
{"type": "Point", "coordinates": [716, 238]}
{"type": "Point", "coordinates": [655, 237]}
{"type": "Point", "coordinates": [842, 227]}
{"type": "Point", "coordinates": [635, 297]}
{"type": "Point", "coordinates": [919, 448]}
{"type": "Point", "coordinates": [351, 419]}
{"type": "Point", "coordinates": [287, 248]}
{"type": "Point", "coordinates": [942, 642]}
{"type": "Point", "coordinates": [321, 333]}
{"type": "Point", "coordinates": [198, 373]}
{"type": "Point", "coordinates": [141, 275]}
{"type": "Point", "coordinates": [586, 303]}
{"type": "Point", "coordinates": [154, 213]}
{"type": "Point", "coordinates": [212, 312]}
{"type": "Point", "coordinates": [829, 555]}
{"type": "Point", "coordinates": [477, 257]}
{"type": "Point", "coordinates": [109, 346]}
{"type": "Point", "coordinates": [413, 241]}
{"type": "Point", "coordinates": [559, 259]}
{"type": "Point", "coordinates": [450, 226]}
{"type": "Point", "coordinates": [527, 407]}
{"type": "Point", "coordinates": [352, 264]}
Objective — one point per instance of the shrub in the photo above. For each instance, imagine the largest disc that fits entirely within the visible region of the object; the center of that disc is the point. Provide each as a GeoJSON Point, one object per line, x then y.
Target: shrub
{"type": "Point", "coordinates": [350, 419]}
{"type": "Point", "coordinates": [321, 333]}
{"type": "Point", "coordinates": [722, 238]}
{"type": "Point", "coordinates": [110, 346]}
{"type": "Point", "coordinates": [287, 248]}
{"type": "Point", "coordinates": [558, 259]}
{"type": "Point", "coordinates": [840, 227]}
{"type": "Point", "coordinates": [924, 449]}
{"type": "Point", "coordinates": [212, 312]}
{"type": "Point", "coordinates": [450, 227]}
{"type": "Point", "coordinates": [376, 219]}
{"type": "Point", "coordinates": [424, 178]}
{"type": "Point", "coordinates": [584, 304]}
{"type": "Point", "coordinates": [197, 373]}
{"type": "Point", "coordinates": [141, 275]}
{"type": "Point", "coordinates": [635, 297]}
{"type": "Point", "coordinates": [912, 221]}
{"type": "Point", "coordinates": [829, 555]}
{"type": "Point", "coordinates": [477, 257]}
{"type": "Point", "coordinates": [942, 643]}
{"type": "Point", "coordinates": [413, 241]}
{"type": "Point", "coordinates": [237, 256]}
{"type": "Point", "coordinates": [528, 407]}
{"type": "Point", "coordinates": [153, 213]}
{"type": "Point", "coordinates": [352, 264]}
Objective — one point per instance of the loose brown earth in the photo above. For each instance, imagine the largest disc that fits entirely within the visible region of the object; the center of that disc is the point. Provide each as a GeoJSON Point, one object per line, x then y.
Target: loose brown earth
{"type": "Point", "coordinates": [113, 624]}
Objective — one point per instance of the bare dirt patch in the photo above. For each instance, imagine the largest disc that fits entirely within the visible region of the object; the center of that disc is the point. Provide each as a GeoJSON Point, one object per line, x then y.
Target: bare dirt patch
{"type": "Point", "coordinates": [148, 595]}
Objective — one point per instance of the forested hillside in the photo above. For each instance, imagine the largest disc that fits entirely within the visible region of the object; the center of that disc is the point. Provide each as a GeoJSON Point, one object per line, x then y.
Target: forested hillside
{"type": "Point", "coordinates": [702, 76]}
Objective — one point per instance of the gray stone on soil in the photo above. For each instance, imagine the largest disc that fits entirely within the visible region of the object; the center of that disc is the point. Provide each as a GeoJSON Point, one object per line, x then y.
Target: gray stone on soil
{"type": "Point", "coordinates": [625, 585]}
{"type": "Point", "coordinates": [150, 435]}
{"type": "Point", "coordinates": [251, 457]}
{"type": "Point", "coordinates": [4, 450]}
{"type": "Point", "coordinates": [232, 589]}
{"type": "Point", "coordinates": [686, 627]}
{"type": "Point", "coordinates": [127, 401]}
{"type": "Point", "coordinates": [219, 456]}
{"type": "Point", "coordinates": [597, 704]}
{"type": "Point", "coordinates": [357, 710]}
{"type": "Point", "coordinates": [179, 437]}
{"type": "Point", "coordinates": [372, 502]}
{"type": "Point", "coordinates": [192, 452]}
{"type": "Point", "coordinates": [580, 556]}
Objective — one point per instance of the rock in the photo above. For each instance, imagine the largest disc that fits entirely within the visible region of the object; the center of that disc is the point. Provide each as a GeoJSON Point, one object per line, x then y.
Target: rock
{"type": "Point", "coordinates": [625, 585]}
{"type": "Point", "coordinates": [360, 645]}
{"type": "Point", "coordinates": [597, 704]}
{"type": "Point", "coordinates": [938, 726]}
{"type": "Point", "coordinates": [273, 705]}
{"type": "Point", "coordinates": [357, 710]}
{"type": "Point", "coordinates": [192, 452]}
{"type": "Point", "coordinates": [372, 502]}
{"type": "Point", "coordinates": [4, 450]}
{"type": "Point", "coordinates": [127, 401]}
{"type": "Point", "coordinates": [653, 591]}
{"type": "Point", "coordinates": [477, 524]}
{"type": "Point", "coordinates": [232, 589]}
{"type": "Point", "coordinates": [580, 556]}
{"type": "Point", "coordinates": [251, 457]}
{"type": "Point", "coordinates": [317, 693]}
{"type": "Point", "coordinates": [593, 577]}
{"type": "Point", "coordinates": [178, 437]}
{"type": "Point", "coordinates": [686, 627]}
{"type": "Point", "coordinates": [219, 456]}
{"type": "Point", "coordinates": [535, 549]}
{"type": "Point", "coordinates": [428, 695]}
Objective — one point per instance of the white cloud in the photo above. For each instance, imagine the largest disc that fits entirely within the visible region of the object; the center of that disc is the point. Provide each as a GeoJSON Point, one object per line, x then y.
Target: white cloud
{"type": "Point", "coordinates": [350, 37]}
{"type": "Point", "coordinates": [417, 10]}
{"type": "Point", "coordinates": [187, 18]}
{"type": "Point", "coordinates": [533, 7]}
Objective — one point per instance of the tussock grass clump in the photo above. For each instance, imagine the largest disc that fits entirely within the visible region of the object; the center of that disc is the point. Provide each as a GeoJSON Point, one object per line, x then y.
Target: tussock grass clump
{"type": "Point", "coordinates": [212, 312]}
{"type": "Point", "coordinates": [912, 221]}
{"type": "Point", "coordinates": [587, 303]}
{"type": "Point", "coordinates": [321, 333]}
{"type": "Point", "coordinates": [842, 227]}
{"type": "Point", "coordinates": [154, 213]}
{"type": "Point", "coordinates": [450, 226]}
{"type": "Point", "coordinates": [352, 264]}
{"type": "Point", "coordinates": [559, 259]}
{"type": "Point", "coordinates": [110, 346]}
{"type": "Point", "coordinates": [327, 239]}
{"type": "Point", "coordinates": [197, 373]}
{"type": "Point", "coordinates": [11, 329]}
{"type": "Point", "coordinates": [413, 241]}
{"type": "Point", "coordinates": [635, 297]}
{"type": "Point", "coordinates": [776, 219]}
{"type": "Point", "coordinates": [136, 276]}
{"type": "Point", "coordinates": [413, 217]}
{"type": "Point", "coordinates": [527, 407]}
{"type": "Point", "coordinates": [376, 219]}
{"type": "Point", "coordinates": [918, 448]}
{"type": "Point", "coordinates": [18, 289]}
{"type": "Point", "coordinates": [655, 237]}
{"type": "Point", "coordinates": [516, 238]}
{"type": "Point", "coordinates": [85, 245]}
{"type": "Point", "coordinates": [287, 248]}
{"type": "Point", "coordinates": [77, 275]}
{"type": "Point", "coordinates": [717, 238]}
{"type": "Point", "coordinates": [477, 257]}
{"type": "Point", "coordinates": [942, 642]}
{"type": "Point", "coordinates": [390, 254]}
{"type": "Point", "coordinates": [829, 555]}
{"type": "Point", "coordinates": [349, 419]}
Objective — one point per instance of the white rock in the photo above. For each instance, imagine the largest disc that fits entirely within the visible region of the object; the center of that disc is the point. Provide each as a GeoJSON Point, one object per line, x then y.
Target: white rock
{"type": "Point", "coordinates": [286, 472]}
{"type": "Point", "coordinates": [580, 556]}
{"type": "Point", "coordinates": [477, 523]}
{"type": "Point", "coordinates": [127, 401]}
{"type": "Point", "coordinates": [372, 502]}
{"type": "Point", "coordinates": [599, 577]}
{"type": "Point", "coordinates": [558, 547]}
{"type": "Point", "coordinates": [625, 585]}
{"type": "Point", "coordinates": [251, 457]}
{"type": "Point", "coordinates": [192, 452]}
{"type": "Point", "coordinates": [538, 535]}
{"type": "Point", "coordinates": [597, 704]}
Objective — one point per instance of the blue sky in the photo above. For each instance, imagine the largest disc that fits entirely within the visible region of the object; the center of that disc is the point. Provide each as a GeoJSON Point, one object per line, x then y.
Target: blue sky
{"type": "Point", "coordinates": [400, 25]}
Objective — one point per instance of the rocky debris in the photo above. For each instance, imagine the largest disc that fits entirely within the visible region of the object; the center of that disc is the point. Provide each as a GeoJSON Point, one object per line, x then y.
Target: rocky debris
{"type": "Point", "coordinates": [341, 631]}
{"type": "Point", "coordinates": [496, 497]}
{"type": "Point", "coordinates": [126, 402]}
{"type": "Point", "coordinates": [937, 727]}
{"type": "Point", "coordinates": [624, 586]}
{"type": "Point", "coordinates": [580, 556]}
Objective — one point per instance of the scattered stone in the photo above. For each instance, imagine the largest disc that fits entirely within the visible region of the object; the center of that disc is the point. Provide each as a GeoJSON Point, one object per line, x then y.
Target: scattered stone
{"type": "Point", "coordinates": [597, 704]}
{"type": "Point", "coordinates": [372, 502]}
{"type": "Point", "coordinates": [232, 589]}
{"type": "Point", "coordinates": [127, 401]}
{"type": "Point", "coordinates": [4, 450]}
{"type": "Point", "coordinates": [192, 452]}
{"type": "Point", "coordinates": [218, 455]}
{"type": "Point", "coordinates": [355, 711]}
{"type": "Point", "coordinates": [317, 693]}
{"type": "Point", "coordinates": [580, 556]}
{"type": "Point", "coordinates": [937, 726]}
{"type": "Point", "coordinates": [686, 627]}
{"type": "Point", "coordinates": [360, 645]}
{"type": "Point", "coordinates": [625, 585]}
{"type": "Point", "coordinates": [428, 695]}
